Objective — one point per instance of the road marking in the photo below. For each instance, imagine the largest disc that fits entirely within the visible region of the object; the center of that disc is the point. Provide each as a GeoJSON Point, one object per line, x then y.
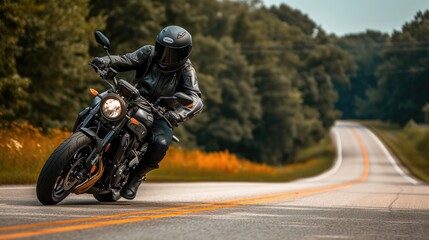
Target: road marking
{"type": "Point", "coordinates": [390, 158]}
{"type": "Point", "coordinates": [365, 156]}
{"type": "Point", "coordinates": [338, 160]}
{"type": "Point", "coordinates": [183, 210]}
{"type": "Point", "coordinates": [87, 219]}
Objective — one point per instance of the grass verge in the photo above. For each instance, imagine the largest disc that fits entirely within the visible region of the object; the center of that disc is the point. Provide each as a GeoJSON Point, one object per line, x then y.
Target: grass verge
{"type": "Point", "coordinates": [409, 144]}
{"type": "Point", "coordinates": [24, 150]}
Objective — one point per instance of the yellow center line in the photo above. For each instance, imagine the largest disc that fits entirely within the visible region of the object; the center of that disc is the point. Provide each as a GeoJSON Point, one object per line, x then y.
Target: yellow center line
{"type": "Point", "coordinates": [87, 219]}
{"type": "Point", "coordinates": [115, 219]}
{"type": "Point", "coordinates": [365, 157]}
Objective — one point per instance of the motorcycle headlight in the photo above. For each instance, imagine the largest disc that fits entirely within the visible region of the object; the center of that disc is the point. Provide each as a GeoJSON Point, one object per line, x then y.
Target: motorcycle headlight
{"type": "Point", "coordinates": [112, 107]}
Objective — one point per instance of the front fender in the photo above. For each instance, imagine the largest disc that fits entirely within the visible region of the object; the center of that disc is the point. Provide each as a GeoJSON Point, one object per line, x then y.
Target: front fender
{"type": "Point", "coordinates": [94, 137]}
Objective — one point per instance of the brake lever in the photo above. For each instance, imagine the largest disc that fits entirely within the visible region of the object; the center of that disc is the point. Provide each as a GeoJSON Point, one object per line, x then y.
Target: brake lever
{"type": "Point", "coordinates": [110, 73]}
{"type": "Point", "coordinates": [168, 122]}
{"type": "Point", "coordinates": [160, 114]}
{"type": "Point", "coordinates": [107, 73]}
{"type": "Point", "coordinates": [96, 69]}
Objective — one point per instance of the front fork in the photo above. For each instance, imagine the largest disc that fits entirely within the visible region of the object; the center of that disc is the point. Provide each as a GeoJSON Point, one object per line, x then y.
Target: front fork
{"type": "Point", "coordinates": [100, 144]}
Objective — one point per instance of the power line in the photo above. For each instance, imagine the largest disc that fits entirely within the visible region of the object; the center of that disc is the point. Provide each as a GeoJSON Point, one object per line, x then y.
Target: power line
{"type": "Point", "coordinates": [301, 49]}
{"type": "Point", "coordinates": [285, 50]}
{"type": "Point", "coordinates": [374, 44]}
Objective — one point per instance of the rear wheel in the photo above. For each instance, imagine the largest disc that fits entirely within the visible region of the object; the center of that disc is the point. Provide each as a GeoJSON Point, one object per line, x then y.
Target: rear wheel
{"type": "Point", "coordinates": [111, 196]}
{"type": "Point", "coordinates": [58, 176]}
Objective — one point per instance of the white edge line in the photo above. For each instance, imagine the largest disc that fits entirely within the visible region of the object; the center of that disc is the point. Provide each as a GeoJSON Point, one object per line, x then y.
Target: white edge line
{"type": "Point", "coordinates": [391, 160]}
{"type": "Point", "coordinates": [338, 159]}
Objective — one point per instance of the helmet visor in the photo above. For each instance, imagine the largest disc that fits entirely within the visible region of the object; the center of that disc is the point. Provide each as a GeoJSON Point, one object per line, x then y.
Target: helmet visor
{"type": "Point", "coordinates": [167, 55]}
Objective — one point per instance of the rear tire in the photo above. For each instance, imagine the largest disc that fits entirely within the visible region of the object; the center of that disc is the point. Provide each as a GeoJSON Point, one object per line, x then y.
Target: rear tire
{"type": "Point", "coordinates": [56, 180]}
{"type": "Point", "coordinates": [111, 196]}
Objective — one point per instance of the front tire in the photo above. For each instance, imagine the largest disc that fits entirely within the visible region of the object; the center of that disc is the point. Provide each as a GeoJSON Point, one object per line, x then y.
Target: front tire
{"type": "Point", "coordinates": [56, 180]}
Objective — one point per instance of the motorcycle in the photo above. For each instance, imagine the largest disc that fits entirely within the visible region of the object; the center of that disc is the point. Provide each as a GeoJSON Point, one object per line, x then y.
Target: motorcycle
{"type": "Point", "coordinates": [108, 140]}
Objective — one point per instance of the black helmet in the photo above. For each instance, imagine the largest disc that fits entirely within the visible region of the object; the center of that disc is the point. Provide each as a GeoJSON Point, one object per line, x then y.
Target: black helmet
{"type": "Point", "coordinates": [172, 48]}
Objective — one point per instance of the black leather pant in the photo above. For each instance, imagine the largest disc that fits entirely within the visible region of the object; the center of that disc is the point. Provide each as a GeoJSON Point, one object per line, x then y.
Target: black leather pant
{"type": "Point", "coordinates": [162, 136]}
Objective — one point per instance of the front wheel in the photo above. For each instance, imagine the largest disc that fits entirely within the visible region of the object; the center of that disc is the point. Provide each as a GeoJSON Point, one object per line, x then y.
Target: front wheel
{"type": "Point", "coordinates": [57, 178]}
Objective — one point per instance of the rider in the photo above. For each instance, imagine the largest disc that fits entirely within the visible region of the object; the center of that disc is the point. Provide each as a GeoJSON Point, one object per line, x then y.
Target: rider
{"type": "Point", "coordinates": [161, 70]}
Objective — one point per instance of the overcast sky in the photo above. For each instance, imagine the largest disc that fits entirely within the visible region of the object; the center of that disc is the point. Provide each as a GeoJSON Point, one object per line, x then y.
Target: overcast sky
{"type": "Point", "coordinates": [351, 16]}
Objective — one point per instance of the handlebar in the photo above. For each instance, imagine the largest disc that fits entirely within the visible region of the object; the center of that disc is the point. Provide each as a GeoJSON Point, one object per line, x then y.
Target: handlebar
{"type": "Point", "coordinates": [157, 110]}
{"type": "Point", "coordinates": [160, 113]}
{"type": "Point", "coordinates": [110, 74]}
{"type": "Point", "coordinates": [106, 73]}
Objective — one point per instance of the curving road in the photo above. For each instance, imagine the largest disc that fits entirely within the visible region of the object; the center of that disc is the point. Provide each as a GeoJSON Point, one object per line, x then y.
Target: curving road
{"type": "Point", "coordinates": [365, 195]}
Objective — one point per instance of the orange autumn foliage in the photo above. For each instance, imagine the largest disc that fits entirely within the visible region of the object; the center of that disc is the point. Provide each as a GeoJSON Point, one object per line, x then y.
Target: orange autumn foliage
{"type": "Point", "coordinates": [24, 150]}
{"type": "Point", "coordinates": [224, 162]}
{"type": "Point", "coordinates": [22, 145]}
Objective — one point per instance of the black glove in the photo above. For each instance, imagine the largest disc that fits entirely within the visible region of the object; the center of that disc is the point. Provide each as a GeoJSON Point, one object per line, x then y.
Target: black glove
{"type": "Point", "coordinates": [173, 118]}
{"type": "Point", "coordinates": [100, 63]}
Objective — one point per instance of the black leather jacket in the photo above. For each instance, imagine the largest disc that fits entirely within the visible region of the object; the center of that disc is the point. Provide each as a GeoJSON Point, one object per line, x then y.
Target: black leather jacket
{"type": "Point", "coordinates": [152, 83]}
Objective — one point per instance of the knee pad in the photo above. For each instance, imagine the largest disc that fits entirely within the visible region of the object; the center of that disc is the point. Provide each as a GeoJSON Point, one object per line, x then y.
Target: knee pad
{"type": "Point", "coordinates": [159, 140]}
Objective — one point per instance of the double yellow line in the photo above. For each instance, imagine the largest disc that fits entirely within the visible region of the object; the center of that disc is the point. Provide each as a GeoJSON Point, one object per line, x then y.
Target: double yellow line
{"type": "Point", "coordinates": [45, 228]}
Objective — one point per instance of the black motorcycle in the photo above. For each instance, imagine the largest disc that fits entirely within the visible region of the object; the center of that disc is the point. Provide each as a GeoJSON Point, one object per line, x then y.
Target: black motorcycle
{"type": "Point", "coordinates": [108, 141]}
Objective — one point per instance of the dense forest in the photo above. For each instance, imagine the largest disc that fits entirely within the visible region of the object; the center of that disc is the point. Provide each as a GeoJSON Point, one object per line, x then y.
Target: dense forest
{"type": "Point", "coordinates": [273, 81]}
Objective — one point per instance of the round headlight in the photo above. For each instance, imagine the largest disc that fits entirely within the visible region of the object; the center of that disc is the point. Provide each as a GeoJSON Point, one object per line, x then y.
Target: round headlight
{"type": "Point", "coordinates": [112, 108]}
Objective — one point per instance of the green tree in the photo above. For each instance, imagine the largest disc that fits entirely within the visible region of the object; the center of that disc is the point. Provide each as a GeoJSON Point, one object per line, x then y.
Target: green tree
{"type": "Point", "coordinates": [366, 49]}
{"type": "Point", "coordinates": [402, 85]}
{"type": "Point", "coordinates": [295, 18]}
{"type": "Point", "coordinates": [13, 87]}
{"type": "Point", "coordinates": [55, 57]}
{"type": "Point", "coordinates": [233, 107]}
{"type": "Point", "coordinates": [425, 110]}
{"type": "Point", "coordinates": [266, 73]}
{"type": "Point", "coordinates": [281, 105]}
{"type": "Point", "coordinates": [324, 65]}
{"type": "Point", "coordinates": [187, 13]}
{"type": "Point", "coordinates": [313, 63]}
{"type": "Point", "coordinates": [130, 24]}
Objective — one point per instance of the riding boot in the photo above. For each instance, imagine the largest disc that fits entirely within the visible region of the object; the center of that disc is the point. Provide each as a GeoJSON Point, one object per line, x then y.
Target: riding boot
{"type": "Point", "coordinates": [129, 191]}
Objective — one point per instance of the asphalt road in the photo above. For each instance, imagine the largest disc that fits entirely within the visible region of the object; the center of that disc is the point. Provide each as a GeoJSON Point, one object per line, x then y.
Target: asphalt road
{"type": "Point", "coordinates": [365, 195]}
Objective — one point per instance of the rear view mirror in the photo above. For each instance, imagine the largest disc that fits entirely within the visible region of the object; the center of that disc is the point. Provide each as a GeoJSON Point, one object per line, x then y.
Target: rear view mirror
{"type": "Point", "coordinates": [102, 40]}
